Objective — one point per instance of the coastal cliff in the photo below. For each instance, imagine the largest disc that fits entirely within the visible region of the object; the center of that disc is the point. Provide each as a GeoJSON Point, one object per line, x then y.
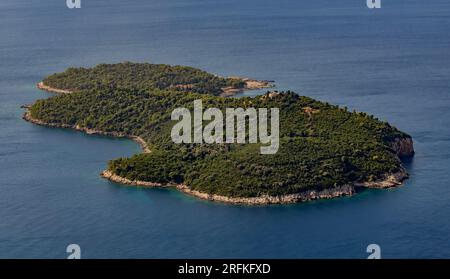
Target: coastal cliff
{"type": "Point", "coordinates": [403, 147]}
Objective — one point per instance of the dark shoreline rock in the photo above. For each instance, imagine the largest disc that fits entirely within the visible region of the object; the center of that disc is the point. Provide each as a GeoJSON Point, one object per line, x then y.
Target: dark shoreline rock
{"type": "Point", "coordinates": [403, 147]}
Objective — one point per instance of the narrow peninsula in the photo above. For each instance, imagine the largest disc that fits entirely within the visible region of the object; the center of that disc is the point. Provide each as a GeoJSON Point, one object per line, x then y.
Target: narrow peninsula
{"type": "Point", "coordinates": [325, 151]}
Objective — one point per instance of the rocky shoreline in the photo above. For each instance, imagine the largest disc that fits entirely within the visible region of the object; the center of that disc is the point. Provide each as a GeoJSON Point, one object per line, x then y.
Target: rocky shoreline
{"type": "Point", "coordinates": [44, 87]}
{"type": "Point", "coordinates": [145, 147]}
{"type": "Point", "coordinates": [403, 147]}
{"type": "Point", "coordinates": [387, 181]}
{"type": "Point", "coordinates": [346, 190]}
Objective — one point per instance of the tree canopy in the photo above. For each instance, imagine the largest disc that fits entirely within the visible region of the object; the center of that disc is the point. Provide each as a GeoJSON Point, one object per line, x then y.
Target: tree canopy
{"type": "Point", "coordinates": [322, 146]}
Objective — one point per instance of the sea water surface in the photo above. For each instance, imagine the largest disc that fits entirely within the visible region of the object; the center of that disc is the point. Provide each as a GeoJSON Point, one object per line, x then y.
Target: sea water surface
{"type": "Point", "coordinates": [393, 62]}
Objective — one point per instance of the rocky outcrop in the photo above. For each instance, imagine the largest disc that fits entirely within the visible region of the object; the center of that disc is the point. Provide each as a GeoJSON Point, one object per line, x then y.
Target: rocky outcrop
{"type": "Point", "coordinates": [118, 179]}
{"type": "Point", "coordinates": [385, 181]}
{"type": "Point", "coordinates": [403, 147]}
{"type": "Point", "coordinates": [44, 87]}
{"type": "Point", "coordinates": [250, 84]}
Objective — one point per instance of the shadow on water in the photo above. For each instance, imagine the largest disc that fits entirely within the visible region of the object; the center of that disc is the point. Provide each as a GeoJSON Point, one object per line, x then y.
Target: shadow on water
{"type": "Point", "coordinates": [408, 163]}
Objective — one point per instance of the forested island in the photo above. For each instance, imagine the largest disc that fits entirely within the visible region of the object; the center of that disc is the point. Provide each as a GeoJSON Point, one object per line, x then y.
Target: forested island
{"type": "Point", "coordinates": [325, 151]}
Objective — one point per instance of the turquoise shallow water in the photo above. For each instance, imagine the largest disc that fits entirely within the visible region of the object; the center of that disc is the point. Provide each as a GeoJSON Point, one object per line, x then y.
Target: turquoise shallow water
{"type": "Point", "coordinates": [393, 62]}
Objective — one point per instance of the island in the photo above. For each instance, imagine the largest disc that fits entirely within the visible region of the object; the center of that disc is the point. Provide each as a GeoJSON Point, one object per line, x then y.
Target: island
{"type": "Point", "coordinates": [325, 151]}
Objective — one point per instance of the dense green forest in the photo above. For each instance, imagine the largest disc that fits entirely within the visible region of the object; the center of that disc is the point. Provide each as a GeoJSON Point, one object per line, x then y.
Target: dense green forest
{"type": "Point", "coordinates": [321, 145]}
{"type": "Point", "coordinates": [141, 77]}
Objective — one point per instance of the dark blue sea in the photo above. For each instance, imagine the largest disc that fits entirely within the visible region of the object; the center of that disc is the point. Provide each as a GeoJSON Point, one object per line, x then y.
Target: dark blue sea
{"type": "Point", "coordinates": [392, 62]}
